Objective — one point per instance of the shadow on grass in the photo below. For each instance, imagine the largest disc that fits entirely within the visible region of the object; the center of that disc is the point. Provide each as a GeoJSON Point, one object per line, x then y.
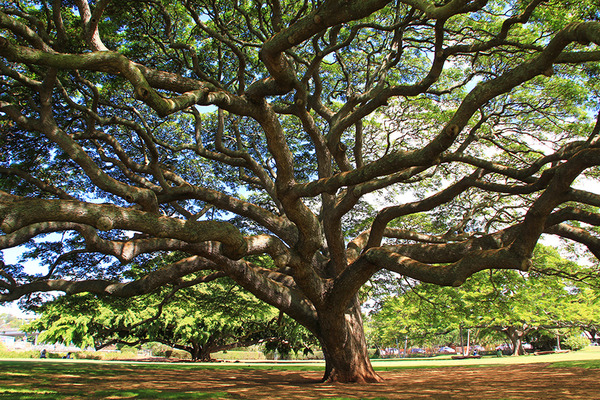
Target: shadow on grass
{"type": "Point", "coordinates": [353, 398]}
{"type": "Point", "coordinates": [26, 380]}
{"type": "Point", "coordinates": [154, 394]}
{"type": "Point", "coordinates": [62, 380]}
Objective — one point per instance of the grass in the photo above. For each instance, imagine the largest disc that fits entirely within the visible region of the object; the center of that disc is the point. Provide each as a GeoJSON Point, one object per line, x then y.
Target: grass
{"type": "Point", "coordinates": [153, 394]}
{"type": "Point", "coordinates": [55, 379]}
{"type": "Point", "coordinates": [33, 394]}
{"type": "Point", "coordinates": [588, 358]}
{"type": "Point", "coordinates": [588, 364]}
{"type": "Point", "coordinates": [32, 379]}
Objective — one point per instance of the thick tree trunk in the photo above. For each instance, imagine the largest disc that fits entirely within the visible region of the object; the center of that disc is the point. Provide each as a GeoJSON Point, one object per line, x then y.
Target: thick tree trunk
{"type": "Point", "coordinates": [345, 347]}
{"type": "Point", "coordinates": [204, 355]}
{"type": "Point", "coordinates": [516, 338]}
{"type": "Point", "coordinates": [200, 353]}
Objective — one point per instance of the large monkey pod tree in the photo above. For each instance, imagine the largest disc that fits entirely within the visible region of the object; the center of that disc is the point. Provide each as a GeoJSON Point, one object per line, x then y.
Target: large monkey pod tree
{"type": "Point", "coordinates": [297, 147]}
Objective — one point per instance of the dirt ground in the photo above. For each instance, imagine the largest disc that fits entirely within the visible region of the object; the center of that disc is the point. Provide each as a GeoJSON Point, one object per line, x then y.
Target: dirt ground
{"type": "Point", "coordinates": [534, 381]}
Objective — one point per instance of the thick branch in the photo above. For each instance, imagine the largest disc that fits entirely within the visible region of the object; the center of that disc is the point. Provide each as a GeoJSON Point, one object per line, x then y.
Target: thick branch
{"type": "Point", "coordinates": [145, 285]}
{"type": "Point", "coordinates": [143, 79]}
{"type": "Point", "coordinates": [18, 213]}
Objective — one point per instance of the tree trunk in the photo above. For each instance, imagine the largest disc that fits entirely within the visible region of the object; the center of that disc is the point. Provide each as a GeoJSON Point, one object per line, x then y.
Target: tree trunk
{"type": "Point", "coordinates": [516, 338]}
{"type": "Point", "coordinates": [199, 352]}
{"type": "Point", "coordinates": [204, 355]}
{"type": "Point", "coordinates": [593, 333]}
{"type": "Point", "coordinates": [345, 347]}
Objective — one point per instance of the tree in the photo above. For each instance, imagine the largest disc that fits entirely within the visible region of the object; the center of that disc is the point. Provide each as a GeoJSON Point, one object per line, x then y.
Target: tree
{"type": "Point", "coordinates": [511, 303]}
{"type": "Point", "coordinates": [201, 320]}
{"type": "Point", "coordinates": [9, 321]}
{"type": "Point", "coordinates": [220, 317]}
{"type": "Point", "coordinates": [331, 125]}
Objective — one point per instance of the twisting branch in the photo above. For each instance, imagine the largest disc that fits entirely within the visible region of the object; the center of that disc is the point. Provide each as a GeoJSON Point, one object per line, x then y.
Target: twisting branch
{"type": "Point", "coordinates": [15, 214]}
{"type": "Point", "coordinates": [90, 23]}
{"type": "Point", "coordinates": [144, 285]}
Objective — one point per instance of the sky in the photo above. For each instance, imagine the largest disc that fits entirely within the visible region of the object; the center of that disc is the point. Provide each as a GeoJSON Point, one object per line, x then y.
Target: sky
{"type": "Point", "coordinates": [10, 257]}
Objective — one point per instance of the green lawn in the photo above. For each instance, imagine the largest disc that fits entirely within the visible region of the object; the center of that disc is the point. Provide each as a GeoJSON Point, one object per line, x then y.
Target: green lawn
{"type": "Point", "coordinates": [590, 356]}
{"type": "Point", "coordinates": [56, 379]}
{"type": "Point", "coordinates": [64, 380]}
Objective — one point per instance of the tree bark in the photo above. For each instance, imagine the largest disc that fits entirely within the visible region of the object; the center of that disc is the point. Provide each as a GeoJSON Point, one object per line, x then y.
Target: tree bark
{"type": "Point", "coordinates": [345, 347]}
{"type": "Point", "coordinates": [199, 352]}
{"type": "Point", "coordinates": [516, 338]}
{"type": "Point", "coordinates": [203, 354]}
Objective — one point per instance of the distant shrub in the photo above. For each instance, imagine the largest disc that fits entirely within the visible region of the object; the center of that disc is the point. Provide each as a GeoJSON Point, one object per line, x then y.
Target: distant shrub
{"type": "Point", "coordinates": [576, 342]}
{"type": "Point", "coordinates": [239, 355]}
{"type": "Point", "coordinates": [91, 355]}
{"type": "Point", "coordinates": [106, 355]}
{"type": "Point", "coordinates": [175, 353]}
{"type": "Point", "coordinates": [128, 350]}
{"type": "Point", "coordinates": [6, 353]}
{"type": "Point", "coordinates": [160, 350]}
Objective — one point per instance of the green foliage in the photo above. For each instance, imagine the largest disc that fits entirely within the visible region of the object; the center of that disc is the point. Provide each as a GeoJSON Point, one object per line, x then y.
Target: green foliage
{"type": "Point", "coordinates": [493, 300]}
{"type": "Point", "coordinates": [198, 319]}
{"type": "Point", "coordinates": [5, 353]}
{"type": "Point", "coordinates": [9, 321]}
{"type": "Point", "coordinates": [576, 342]}
{"type": "Point", "coordinates": [289, 337]}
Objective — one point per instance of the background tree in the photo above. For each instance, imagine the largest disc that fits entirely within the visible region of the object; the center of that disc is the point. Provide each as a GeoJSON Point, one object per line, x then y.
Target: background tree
{"type": "Point", "coordinates": [9, 322]}
{"type": "Point", "coordinates": [201, 320]}
{"type": "Point", "coordinates": [513, 304]}
{"type": "Point", "coordinates": [473, 111]}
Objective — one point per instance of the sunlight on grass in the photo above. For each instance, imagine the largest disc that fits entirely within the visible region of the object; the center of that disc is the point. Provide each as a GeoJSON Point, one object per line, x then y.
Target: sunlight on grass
{"type": "Point", "coordinates": [28, 394]}
{"type": "Point", "coordinates": [4, 390]}
{"type": "Point", "coordinates": [110, 368]}
{"type": "Point", "coordinates": [590, 364]}
{"type": "Point", "coordinates": [47, 374]}
{"type": "Point", "coordinates": [591, 354]}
